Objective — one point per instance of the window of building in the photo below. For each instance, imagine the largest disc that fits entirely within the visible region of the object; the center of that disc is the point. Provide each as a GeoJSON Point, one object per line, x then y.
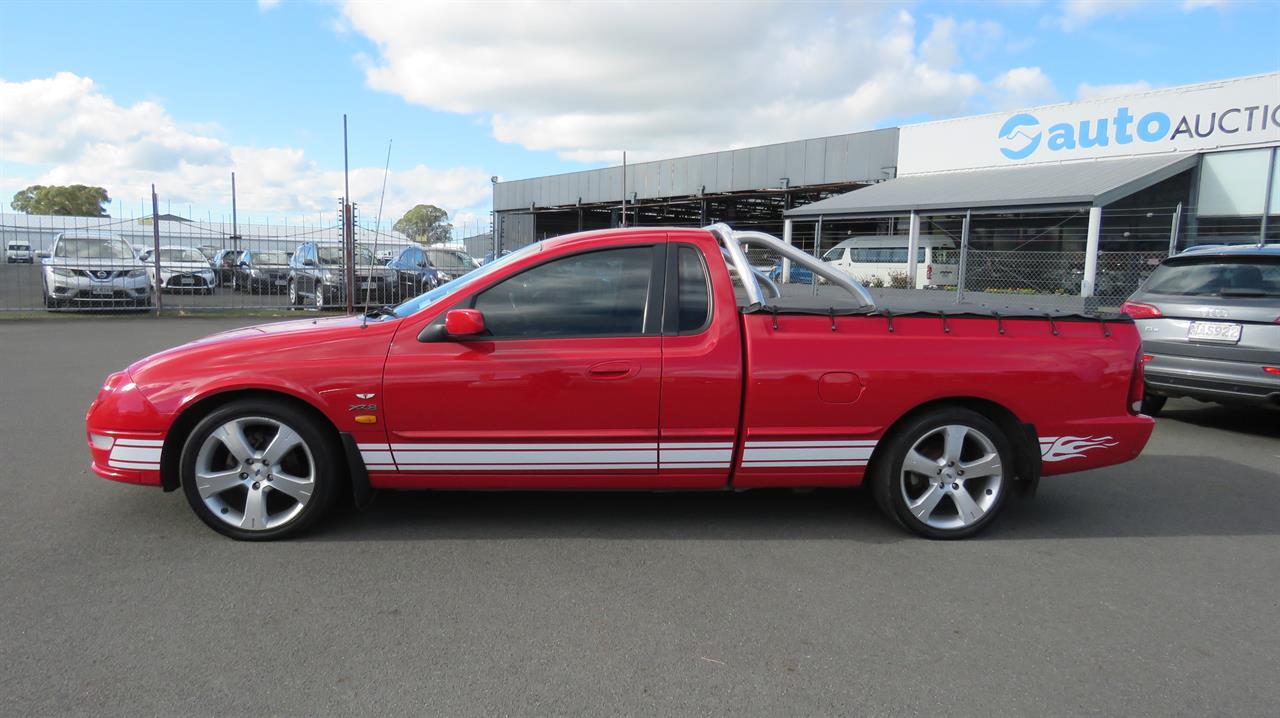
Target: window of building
{"type": "Point", "coordinates": [1233, 183]}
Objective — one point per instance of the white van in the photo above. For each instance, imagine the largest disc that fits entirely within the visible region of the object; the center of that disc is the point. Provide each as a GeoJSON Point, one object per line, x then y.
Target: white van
{"type": "Point", "coordinates": [18, 252]}
{"type": "Point", "coordinates": [872, 258]}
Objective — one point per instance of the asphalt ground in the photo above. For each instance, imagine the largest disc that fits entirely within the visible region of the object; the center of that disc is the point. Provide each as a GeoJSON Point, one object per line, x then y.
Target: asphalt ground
{"type": "Point", "coordinates": [1151, 588]}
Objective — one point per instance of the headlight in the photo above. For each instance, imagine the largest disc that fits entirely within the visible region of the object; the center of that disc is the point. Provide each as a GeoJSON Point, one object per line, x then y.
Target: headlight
{"type": "Point", "coordinates": [135, 273]}
{"type": "Point", "coordinates": [62, 272]}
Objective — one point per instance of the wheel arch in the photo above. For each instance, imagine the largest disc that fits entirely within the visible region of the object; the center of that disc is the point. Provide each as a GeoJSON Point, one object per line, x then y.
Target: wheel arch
{"type": "Point", "coordinates": [1022, 436]}
{"type": "Point", "coordinates": [186, 420]}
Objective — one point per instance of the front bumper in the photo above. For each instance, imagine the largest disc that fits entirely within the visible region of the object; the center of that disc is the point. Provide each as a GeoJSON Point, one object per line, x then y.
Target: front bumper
{"type": "Point", "coordinates": [1211, 379]}
{"type": "Point", "coordinates": [82, 290]}
{"type": "Point", "coordinates": [125, 433]}
{"type": "Point", "coordinates": [187, 281]}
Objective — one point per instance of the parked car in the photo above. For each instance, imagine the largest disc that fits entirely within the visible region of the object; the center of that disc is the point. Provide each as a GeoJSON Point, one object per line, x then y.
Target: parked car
{"type": "Point", "coordinates": [876, 259]}
{"type": "Point", "coordinates": [490, 256]}
{"type": "Point", "coordinates": [209, 251]}
{"type": "Point", "coordinates": [450, 263]}
{"type": "Point", "coordinates": [1210, 326]}
{"type": "Point", "coordinates": [414, 273]}
{"type": "Point", "coordinates": [88, 270]}
{"type": "Point", "coordinates": [317, 272]}
{"type": "Point", "coordinates": [182, 269]}
{"type": "Point", "coordinates": [225, 263]}
{"type": "Point", "coordinates": [799, 273]}
{"type": "Point", "coordinates": [17, 251]}
{"type": "Point", "coordinates": [624, 359]}
{"type": "Point", "coordinates": [386, 255]}
{"type": "Point", "coordinates": [259, 271]}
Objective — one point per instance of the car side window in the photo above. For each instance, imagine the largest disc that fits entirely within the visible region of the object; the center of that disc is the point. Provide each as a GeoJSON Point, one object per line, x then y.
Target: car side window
{"type": "Point", "coordinates": [694, 291]}
{"type": "Point", "coordinates": [593, 294]}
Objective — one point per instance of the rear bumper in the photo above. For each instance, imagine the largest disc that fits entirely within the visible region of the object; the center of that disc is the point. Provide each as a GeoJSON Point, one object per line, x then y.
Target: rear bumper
{"type": "Point", "coordinates": [1211, 379]}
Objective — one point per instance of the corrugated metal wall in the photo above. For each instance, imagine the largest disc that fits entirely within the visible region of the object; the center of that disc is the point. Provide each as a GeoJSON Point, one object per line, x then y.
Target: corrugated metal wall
{"type": "Point", "coordinates": [857, 157]}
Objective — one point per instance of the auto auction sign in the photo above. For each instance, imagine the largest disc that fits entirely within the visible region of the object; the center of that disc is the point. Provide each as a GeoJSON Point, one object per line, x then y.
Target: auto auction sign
{"type": "Point", "coordinates": [1232, 113]}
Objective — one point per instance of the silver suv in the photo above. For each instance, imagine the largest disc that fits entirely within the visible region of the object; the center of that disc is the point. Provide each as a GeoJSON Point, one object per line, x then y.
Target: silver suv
{"type": "Point", "coordinates": [93, 270]}
{"type": "Point", "coordinates": [1210, 325]}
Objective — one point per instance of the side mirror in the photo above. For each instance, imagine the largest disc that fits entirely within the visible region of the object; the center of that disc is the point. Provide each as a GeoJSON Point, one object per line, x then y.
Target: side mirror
{"type": "Point", "coordinates": [308, 262]}
{"type": "Point", "coordinates": [464, 322]}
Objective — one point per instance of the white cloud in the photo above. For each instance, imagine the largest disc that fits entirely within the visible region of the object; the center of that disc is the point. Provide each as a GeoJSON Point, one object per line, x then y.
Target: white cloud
{"type": "Point", "coordinates": [65, 130]}
{"type": "Point", "coordinates": [588, 80]}
{"type": "Point", "coordinates": [1085, 91]}
{"type": "Point", "coordinates": [265, 5]}
{"type": "Point", "coordinates": [1077, 13]}
{"type": "Point", "coordinates": [1023, 87]}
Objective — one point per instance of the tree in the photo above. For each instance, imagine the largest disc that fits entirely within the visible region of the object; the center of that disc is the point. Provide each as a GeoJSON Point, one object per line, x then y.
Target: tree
{"type": "Point", "coordinates": [75, 200]}
{"type": "Point", "coordinates": [425, 223]}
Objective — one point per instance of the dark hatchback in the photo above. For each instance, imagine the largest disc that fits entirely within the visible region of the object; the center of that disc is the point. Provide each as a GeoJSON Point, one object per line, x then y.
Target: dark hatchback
{"type": "Point", "coordinates": [262, 272]}
{"type": "Point", "coordinates": [414, 273]}
{"type": "Point", "coordinates": [1210, 325]}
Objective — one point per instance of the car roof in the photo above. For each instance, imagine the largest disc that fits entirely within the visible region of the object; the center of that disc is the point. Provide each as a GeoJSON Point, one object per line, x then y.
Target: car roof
{"type": "Point", "coordinates": [1231, 250]}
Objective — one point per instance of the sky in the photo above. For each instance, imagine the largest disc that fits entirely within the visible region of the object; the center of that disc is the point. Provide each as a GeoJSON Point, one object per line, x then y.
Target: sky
{"type": "Point", "coordinates": [181, 94]}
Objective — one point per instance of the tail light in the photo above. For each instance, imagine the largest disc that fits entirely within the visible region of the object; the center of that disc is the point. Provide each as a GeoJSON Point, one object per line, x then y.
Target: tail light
{"type": "Point", "coordinates": [1138, 310]}
{"type": "Point", "coordinates": [928, 271]}
{"type": "Point", "coordinates": [1137, 387]}
{"type": "Point", "coordinates": [1272, 370]}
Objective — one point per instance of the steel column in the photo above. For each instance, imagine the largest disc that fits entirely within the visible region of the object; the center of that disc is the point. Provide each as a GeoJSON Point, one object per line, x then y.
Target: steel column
{"type": "Point", "coordinates": [1089, 283]}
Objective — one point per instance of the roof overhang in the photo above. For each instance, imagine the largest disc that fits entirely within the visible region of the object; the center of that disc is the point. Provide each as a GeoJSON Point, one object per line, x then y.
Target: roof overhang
{"type": "Point", "coordinates": [1093, 183]}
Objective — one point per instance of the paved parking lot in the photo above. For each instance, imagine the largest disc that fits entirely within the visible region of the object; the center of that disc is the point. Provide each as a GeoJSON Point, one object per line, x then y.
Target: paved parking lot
{"type": "Point", "coordinates": [1151, 588]}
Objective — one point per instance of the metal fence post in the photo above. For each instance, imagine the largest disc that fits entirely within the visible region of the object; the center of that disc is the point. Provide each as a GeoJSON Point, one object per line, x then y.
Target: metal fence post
{"type": "Point", "coordinates": [964, 255]}
{"type": "Point", "coordinates": [1266, 198]}
{"type": "Point", "coordinates": [913, 247]}
{"type": "Point", "coordinates": [786, 263]}
{"type": "Point", "coordinates": [1173, 230]}
{"type": "Point", "coordinates": [817, 249]}
{"type": "Point", "coordinates": [155, 237]}
{"type": "Point", "coordinates": [1089, 283]}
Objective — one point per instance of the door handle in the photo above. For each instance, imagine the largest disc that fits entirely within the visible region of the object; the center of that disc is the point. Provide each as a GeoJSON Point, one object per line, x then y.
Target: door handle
{"type": "Point", "coordinates": [613, 370]}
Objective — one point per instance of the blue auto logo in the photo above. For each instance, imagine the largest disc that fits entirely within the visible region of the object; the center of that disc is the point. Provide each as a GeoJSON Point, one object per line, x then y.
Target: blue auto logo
{"type": "Point", "coordinates": [1021, 143]}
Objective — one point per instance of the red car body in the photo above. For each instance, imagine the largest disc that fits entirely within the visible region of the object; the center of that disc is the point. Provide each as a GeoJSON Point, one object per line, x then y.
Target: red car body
{"type": "Point", "coordinates": [754, 399]}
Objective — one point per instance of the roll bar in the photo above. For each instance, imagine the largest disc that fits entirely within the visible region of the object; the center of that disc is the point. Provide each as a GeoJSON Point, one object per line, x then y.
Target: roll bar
{"type": "Point", "coordinates": [734, 240]}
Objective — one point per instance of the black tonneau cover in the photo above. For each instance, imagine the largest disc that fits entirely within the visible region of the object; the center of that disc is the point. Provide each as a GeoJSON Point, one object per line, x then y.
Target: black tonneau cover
{"type": "Point", "coordinates": [832, 301]}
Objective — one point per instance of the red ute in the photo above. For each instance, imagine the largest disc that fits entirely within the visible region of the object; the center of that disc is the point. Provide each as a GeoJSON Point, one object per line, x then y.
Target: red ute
{"type": "Point", "coordinates": [627, 359]}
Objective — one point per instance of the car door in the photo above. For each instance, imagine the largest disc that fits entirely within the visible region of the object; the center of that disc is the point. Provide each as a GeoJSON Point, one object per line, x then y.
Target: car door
{"type": "Point", "coordinates": [560, 392]}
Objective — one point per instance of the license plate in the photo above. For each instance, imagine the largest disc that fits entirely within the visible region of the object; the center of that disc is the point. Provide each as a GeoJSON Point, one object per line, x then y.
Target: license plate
{"type": "Point", "coordinates": [367, 285]}
{"type": "Point", "coordinates": [102, 291]}
{"type": "Point", "coordinates": [185, 280]}
{"type": "Point", "coordinates": [1214, 332]}
{"type": "Point", "coordinates": [281, 282]}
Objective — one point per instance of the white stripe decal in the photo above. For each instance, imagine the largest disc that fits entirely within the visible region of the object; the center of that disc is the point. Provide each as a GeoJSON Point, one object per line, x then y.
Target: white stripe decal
{"type": "Point", "coordinates": [696, 465]}
{"type": "Point", "coordinates": [722, 455]}
{"type": "Point", "coordinates": [853, 454]}
{"type": "Point", "coordinates": [377, 457]}
{"type": "Point", "coordinates": [135, 454]}
{"type": "Point", "coordinates": [519, 467]}
{"type": "Point", "coordinates": [523, 447]}
{"type": "Point", "coordinates": [526, 457]}
{"type": "Point", "coordinates": [132, 465]}
{"type": "Point", "coordinates": [837, 443]}
{"type": "Point", "coordinates": [800, 464]}
{"type": "Point", "coordinates": [696, 445]}
{"type": "Point", "coordinates": [380, 467]}
{"type": "Point", "coordinates": [139, 442]}
{"type": "Point", "coordinates": [374, 447]}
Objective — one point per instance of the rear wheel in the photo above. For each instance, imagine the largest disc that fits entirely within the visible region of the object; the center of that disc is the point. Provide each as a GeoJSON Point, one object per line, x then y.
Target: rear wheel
{"type": "Point", "coordinates": [1153, 403]}
{"type": "Point", "coordinates": [293, 294]}
{"type": "Point", "coordinates": [945, 475]}
{"type": "Point", "coordinates": [258, 470]}
{"type": "Point", "coordinates": [318, 298]}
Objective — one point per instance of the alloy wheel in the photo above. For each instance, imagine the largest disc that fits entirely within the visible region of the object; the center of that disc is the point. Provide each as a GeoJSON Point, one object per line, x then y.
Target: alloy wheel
{"type": "Point", "coordinates": [255, 473]}
{"type": "Point", "coordinates": [951, 477]}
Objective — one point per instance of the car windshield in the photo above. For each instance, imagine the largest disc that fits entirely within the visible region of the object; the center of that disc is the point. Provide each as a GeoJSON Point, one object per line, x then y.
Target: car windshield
{"type": "Point", "coordinates": [1217, 276]}
{"type": "Point", "coordinates": [180, 255]}
{"type": "Point", "coordinates": [20, 247]}
{"type": "Point", "coordinates": [269, 258]}
{"type": "Point", "coordinates": [333, 255]}
{"type": "Point", "coordinates": [93, 248]}
{"type": "Point", "coordinates": [451, 260]}
{"type": "Point", "coordinates": [833, 254]}
{"type": "Point", "coordinates": [423, 301]}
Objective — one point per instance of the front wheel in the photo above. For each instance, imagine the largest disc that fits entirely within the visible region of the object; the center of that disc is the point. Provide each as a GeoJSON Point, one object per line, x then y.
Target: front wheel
{"type": "Point", "coordinates": [258, 470]}
{"type": "Point", "coordinates": [945, 475]}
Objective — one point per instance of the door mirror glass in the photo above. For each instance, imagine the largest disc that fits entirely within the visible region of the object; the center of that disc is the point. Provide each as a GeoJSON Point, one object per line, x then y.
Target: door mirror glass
{"type": "Point", "coordinates": [464, 322]}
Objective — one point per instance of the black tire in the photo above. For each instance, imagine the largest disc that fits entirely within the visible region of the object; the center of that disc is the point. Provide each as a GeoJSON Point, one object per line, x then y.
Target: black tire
{"type": "Point", "coordinates": [1152, 404]}
{"type": "Point", "coordinates": [291, 291]}
{"type": "Point", "coordinates": [889, 485]}
{"type": "Point", "coordinates": [324, 457]}
{"type": "Point", "coordinates": [317, 299]}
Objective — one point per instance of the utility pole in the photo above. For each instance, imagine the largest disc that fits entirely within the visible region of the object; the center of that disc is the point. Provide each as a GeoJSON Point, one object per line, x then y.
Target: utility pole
{"type": "Point", "coordinates": [348, 224]}
{"type": "Point", "coordinates": [624, 188]}
{"type": "Point", "coordinates": [235, 231]}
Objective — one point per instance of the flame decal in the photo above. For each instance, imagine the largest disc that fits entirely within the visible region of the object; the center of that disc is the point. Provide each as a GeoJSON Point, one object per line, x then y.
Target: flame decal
{"type": "Point", "coordinates": [1061, 448]}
